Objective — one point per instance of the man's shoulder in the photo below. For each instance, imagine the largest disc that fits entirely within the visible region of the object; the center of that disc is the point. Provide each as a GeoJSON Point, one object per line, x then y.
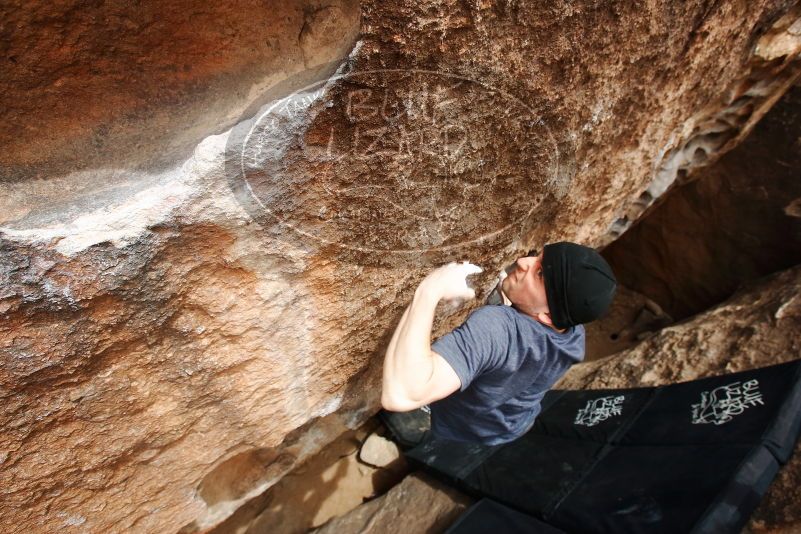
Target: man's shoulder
{"type": "Point", "coordinates": [508, 318]}
{"type": "Point", "coordinates": [494, 313]}
{"type": "Point", "coordinates": [495, 322]}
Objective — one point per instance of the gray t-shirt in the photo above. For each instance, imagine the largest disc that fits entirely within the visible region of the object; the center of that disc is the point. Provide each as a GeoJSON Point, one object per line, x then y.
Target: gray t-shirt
{"type": "Point", "coordinates": [506, 362]}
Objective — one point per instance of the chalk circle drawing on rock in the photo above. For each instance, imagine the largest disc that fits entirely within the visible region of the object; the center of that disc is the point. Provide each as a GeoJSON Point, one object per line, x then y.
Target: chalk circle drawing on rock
{"type": "Point", "coordinates": [600, 409]}
{"type": "Point", "coordinates": [724, 403]}
{"type": "Point", "coordinates": [394, 161]}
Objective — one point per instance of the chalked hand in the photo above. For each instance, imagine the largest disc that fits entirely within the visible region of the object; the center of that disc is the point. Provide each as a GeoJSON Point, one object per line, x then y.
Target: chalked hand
{"type": "Point", "coordinates": [449, 282]}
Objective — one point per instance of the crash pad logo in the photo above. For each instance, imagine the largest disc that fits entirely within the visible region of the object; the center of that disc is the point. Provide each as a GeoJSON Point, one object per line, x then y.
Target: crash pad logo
{"type": "Point", "coordinates": [723, 403]}
{"type": "Point", "coordinates": [395, 161]}
{"type": "Point", "coordinates": [600, 409]}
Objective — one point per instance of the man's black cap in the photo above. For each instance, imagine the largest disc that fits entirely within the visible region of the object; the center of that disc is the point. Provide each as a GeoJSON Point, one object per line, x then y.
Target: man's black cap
{"type": "Point", "coordinates": [579, 283]}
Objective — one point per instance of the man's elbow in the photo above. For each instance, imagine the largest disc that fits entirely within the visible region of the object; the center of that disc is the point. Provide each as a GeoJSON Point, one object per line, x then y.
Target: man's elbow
{"type": "Point", "coordinates": [392, 403]}
{"type": "Point", "coordinates": [388, 404]}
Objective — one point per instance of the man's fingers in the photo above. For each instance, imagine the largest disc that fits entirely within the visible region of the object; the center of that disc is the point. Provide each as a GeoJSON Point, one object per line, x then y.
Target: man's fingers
{"type": "Point", "coordinates": [469, 268]}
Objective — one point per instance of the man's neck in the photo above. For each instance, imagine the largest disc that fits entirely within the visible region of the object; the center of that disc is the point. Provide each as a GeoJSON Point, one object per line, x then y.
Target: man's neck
{"type": "Point", "coordinates": [536, 318]}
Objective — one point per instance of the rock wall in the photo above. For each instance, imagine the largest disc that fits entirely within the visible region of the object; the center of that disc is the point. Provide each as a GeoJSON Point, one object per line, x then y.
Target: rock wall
{"type": "Point", "coordinates": [137, 86]}
{"type": "Point", "coordinates": [734, 223]}
{"type": "Point", "coordinates": [436, 506]}
{"type": "Point", "coordinates": [189, 310]}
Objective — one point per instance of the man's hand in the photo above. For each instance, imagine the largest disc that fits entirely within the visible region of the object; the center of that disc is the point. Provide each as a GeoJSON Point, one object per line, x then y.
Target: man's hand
{"type": "Point", "coordinates": [449, 282]}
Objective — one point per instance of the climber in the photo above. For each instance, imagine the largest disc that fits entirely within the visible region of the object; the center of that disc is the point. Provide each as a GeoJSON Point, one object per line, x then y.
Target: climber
{"type": "Point", "coordinates": [485, 379]}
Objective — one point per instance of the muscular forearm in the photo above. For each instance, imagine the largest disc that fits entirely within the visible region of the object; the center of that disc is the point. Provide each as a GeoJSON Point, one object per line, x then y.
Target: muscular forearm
{"type": "Point", "coordinates": [408, 364]}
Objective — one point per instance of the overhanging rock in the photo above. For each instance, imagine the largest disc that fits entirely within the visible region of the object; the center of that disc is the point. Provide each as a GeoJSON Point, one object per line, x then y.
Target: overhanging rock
{"type": "Point", "coordinates": [175, 336]}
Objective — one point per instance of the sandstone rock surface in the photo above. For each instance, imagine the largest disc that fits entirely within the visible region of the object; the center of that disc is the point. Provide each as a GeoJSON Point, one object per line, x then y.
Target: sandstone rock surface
{"type": "Point", "coordinates": [418, 504]}
{"type": "Point", "coordinates": [378, 451]}
{"type": "Point", "coordinates": [197, 279]}
{"type": "Point", "coordinates": [730, 225]}
{"type": "Point", "coordinates": [330, 484]}
{"type": "Point", "coordinates": [137, 86]}
{"type": "Point", "coordinates": [759, 326]}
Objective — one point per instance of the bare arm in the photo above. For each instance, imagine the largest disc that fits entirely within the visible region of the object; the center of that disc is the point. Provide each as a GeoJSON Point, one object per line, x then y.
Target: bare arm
{"type": "Point", "coordinates": [414, 375]}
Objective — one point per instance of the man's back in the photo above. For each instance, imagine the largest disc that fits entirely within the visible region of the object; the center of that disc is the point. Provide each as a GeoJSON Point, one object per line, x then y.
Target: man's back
{"type": "Point", "coordinates": [506, 361]}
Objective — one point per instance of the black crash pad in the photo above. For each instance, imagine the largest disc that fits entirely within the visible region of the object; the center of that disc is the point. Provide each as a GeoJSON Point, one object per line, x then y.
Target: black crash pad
{"type": "Point", "coordinates": [490, 516]}
{"type": "Point", "coordinates": [689, 457]}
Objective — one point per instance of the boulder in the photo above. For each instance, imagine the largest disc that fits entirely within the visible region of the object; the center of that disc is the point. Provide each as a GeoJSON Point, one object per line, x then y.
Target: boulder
{"type": "Point", "coordinates": [212, 217]}
{"type": "Point", "coordinates": [378, 451]}
{"type": "Point", "coordinates": [730, 225]}
{"type": "Point", "coordinates": [417, 504]}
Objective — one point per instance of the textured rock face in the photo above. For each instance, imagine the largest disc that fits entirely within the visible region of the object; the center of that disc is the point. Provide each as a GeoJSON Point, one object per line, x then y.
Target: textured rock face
{"type": "Point", "coordinates": [125, 85]}
{"type": "Point", "coordinates": [418, 504]}
{"type": "Point", "coordinates": [332, 483]}
{"type": "Point", "coordinates": [736, 222]}
{"type": "Point", "coordinates": [184, 320]}
{"type": "Point", "coordinates": [757, 327]}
